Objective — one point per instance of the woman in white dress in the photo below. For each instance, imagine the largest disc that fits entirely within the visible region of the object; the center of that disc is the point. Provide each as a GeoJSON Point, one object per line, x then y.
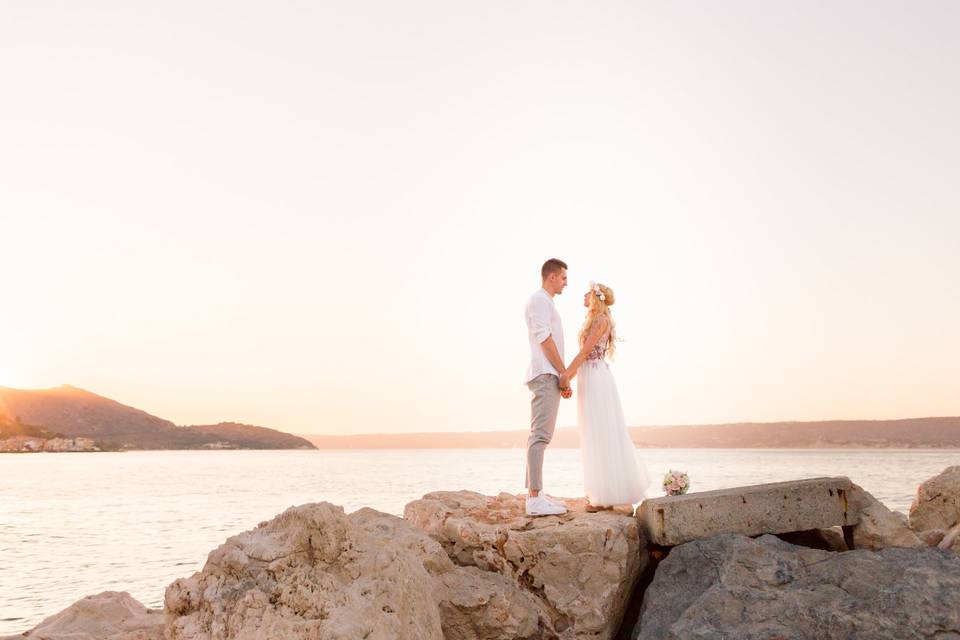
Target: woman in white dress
{"type": "Point", "coordinates": [611, 474]}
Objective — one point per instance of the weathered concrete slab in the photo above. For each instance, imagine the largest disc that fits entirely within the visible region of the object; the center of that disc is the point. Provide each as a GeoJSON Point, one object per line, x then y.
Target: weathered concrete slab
{"type": "Point", "coordinates": [777, 507]}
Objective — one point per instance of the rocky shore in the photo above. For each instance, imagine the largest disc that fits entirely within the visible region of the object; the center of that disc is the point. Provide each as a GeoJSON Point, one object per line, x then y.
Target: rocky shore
{"type": "Point", "coordinates": [818, 558]}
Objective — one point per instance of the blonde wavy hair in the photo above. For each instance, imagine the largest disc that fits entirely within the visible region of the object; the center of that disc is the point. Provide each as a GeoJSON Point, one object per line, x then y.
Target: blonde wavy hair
{"type": "Point", "coordinates": [598, 308]}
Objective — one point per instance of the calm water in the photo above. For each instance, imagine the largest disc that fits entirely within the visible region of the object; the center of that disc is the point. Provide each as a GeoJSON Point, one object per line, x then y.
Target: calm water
{"type": "Point", "coordinates": [77, 524]}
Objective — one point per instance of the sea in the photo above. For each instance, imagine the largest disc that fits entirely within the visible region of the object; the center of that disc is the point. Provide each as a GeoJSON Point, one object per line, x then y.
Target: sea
{"type": "Point", "coordinates": [76, 524]}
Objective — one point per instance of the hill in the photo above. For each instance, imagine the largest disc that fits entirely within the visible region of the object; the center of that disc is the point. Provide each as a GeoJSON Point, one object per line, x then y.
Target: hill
{"type": "Point", "coordinates": [931, 433]}
{"type": "Point", "coordinates": [10, 428]}
{"type": "Point", "coordinates": [248, 436]}
{"type": "Point", "coordinates": [918, 433]}
{"type": "Point", "coordinates": [73, 412]}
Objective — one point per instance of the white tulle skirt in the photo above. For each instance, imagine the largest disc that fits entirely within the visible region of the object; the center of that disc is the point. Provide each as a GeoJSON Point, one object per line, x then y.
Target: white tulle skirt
{"type": "Point", "coordinates": [611, 473]}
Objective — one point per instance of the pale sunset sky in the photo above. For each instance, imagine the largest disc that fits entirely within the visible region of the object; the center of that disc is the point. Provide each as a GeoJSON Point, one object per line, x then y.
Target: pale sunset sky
{"type": "Point", "coordinates": [326, 217]}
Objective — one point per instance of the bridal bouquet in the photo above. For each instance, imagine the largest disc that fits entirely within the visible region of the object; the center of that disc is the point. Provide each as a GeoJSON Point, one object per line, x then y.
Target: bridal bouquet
{"type": "Point", "coordinates": [675, 482]}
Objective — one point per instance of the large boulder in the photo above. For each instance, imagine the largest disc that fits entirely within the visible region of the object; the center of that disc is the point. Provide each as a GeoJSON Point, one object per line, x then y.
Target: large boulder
{"type": "Point", "coordinates": [879, 527]}
{"type": "Point", "coordinates": [474, 604]}
{"type": "Point", "coordinates": [578, 570]}
{"type": "Point", "coordinates": [937, 505]}
{"type": "Point", "coordinates": [732, 586]}
{"type": "Point", "coordinates": [111, 615]}
{"type": "Point", "coordinates": [310, 573]}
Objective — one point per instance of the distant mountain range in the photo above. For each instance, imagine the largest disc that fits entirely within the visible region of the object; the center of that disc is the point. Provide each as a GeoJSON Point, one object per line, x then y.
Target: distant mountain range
{"type": "Point", "coordinates": [70, 412]}
{"type": "Point", "coordinates": [911, 433]}
{"type": "Point", "coordinates": [73, 412]}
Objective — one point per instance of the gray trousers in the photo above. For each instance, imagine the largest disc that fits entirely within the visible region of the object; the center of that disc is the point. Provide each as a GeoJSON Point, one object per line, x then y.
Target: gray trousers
{"type": "Point", "coordinates": [543, 420]}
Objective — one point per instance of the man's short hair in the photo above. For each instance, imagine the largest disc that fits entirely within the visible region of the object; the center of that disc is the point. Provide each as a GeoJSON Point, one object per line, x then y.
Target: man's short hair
{"type": "Point", "coordinates": [551, 266]}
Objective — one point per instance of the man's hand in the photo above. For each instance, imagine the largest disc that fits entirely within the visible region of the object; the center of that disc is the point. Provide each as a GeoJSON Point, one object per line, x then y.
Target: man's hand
{"type": "Point", "coordinates": [564, 384]}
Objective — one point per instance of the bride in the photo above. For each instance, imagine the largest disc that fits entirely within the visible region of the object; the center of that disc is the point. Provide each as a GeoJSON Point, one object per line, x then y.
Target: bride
{"type": "Point", "coordinates": [611, 474]}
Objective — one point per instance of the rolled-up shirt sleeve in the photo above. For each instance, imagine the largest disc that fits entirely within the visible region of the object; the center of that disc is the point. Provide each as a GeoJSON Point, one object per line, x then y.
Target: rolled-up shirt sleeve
{"type": "Point", "coordinates": [538, 319]}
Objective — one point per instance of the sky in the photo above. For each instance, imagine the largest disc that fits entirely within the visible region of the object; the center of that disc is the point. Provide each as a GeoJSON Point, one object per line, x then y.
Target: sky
{"type": "Point", "coordinates": [327, 217]}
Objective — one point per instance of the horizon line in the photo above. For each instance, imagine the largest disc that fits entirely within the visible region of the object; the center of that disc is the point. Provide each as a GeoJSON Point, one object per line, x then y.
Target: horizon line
{"type": "Point", "coordinates": [664, 426]}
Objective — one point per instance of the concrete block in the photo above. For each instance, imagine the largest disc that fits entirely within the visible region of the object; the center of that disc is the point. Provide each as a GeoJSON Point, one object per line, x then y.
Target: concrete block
{"type": "Point", "coordinates": [777, 507]}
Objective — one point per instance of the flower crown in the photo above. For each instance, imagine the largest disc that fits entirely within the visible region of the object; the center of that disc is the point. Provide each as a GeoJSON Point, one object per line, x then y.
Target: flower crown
{"type": "Point", "coordinates": [597, 291]}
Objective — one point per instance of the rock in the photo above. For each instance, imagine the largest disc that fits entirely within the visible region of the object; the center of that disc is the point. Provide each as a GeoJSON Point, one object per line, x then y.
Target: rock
{"type": "Point", "coordinates": [825, 539]}
{"type": "Point", "coordinates": [111, 615]}
{"type": "Point", "coordinates": [473, 604]}
{"type": "Point", "coordinates": [311, 572]}
{"type": "Point", "coordinates": [579, 569]}
{"type": "Point", "coordinates": [951, 540]}
{"type": "Point", "coordinates": [778, 507]}
{"type": "Point", "coordinates": [731, 586]}
{"type": "Point", "coordinates": [932, 537]}
{"type": "Point", "coordinates": [476, 604]}
{"type": "Point", "coordinates": [386, 526]}
{"type": "Point", "coordinates": [937, 505]}
{"type": "Point", "coordinates": [879, 527]}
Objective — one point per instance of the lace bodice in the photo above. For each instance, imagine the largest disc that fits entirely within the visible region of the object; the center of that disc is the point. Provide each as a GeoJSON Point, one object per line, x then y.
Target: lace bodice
{"type": "Point", "coordinates": [596, 356]}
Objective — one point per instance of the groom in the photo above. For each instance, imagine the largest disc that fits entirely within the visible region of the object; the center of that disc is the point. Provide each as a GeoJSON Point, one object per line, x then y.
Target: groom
{"type": "Point", "coordinates": [543, 379]}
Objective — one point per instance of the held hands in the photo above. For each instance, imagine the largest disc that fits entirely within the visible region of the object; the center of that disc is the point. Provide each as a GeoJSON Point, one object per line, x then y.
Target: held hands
{"type": "Point", "coordinates": [565, 390]}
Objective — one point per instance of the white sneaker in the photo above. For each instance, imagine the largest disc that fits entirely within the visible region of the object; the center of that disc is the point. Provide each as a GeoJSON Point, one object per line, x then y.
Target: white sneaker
{"type": "Point", "coordinates": [540, 506]}
{"type": "Point", "coordinates": [556, 501]}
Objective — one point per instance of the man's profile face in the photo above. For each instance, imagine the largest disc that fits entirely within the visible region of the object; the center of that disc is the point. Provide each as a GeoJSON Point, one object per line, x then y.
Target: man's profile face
{"type": "Point", "coordinates": [559, 280]}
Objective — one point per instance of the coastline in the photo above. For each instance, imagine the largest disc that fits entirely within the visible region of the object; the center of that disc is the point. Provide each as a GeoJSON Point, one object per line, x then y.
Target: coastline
{"type": "Point", "coordinates": [461, 564]}
{"type": "Point", "coordinates": [411, 448]}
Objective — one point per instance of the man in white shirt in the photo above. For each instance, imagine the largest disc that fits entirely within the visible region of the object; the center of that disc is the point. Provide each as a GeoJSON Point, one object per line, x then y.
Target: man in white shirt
{"type": "Point", "coordinates": [543, 379]}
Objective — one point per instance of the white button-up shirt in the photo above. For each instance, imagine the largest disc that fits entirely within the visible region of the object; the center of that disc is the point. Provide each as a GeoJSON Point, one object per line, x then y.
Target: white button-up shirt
{"type": "Point", "coordinates": [543, 321]}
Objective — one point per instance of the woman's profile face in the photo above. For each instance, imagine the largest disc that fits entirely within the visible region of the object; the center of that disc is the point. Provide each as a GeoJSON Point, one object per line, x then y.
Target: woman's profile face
{"type": "Point", "coordinates": [586, 299]}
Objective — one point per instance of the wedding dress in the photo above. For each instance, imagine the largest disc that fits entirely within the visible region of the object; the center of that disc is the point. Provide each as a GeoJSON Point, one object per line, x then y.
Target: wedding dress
{"type": "Point", "coordinates": [611, 473]}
